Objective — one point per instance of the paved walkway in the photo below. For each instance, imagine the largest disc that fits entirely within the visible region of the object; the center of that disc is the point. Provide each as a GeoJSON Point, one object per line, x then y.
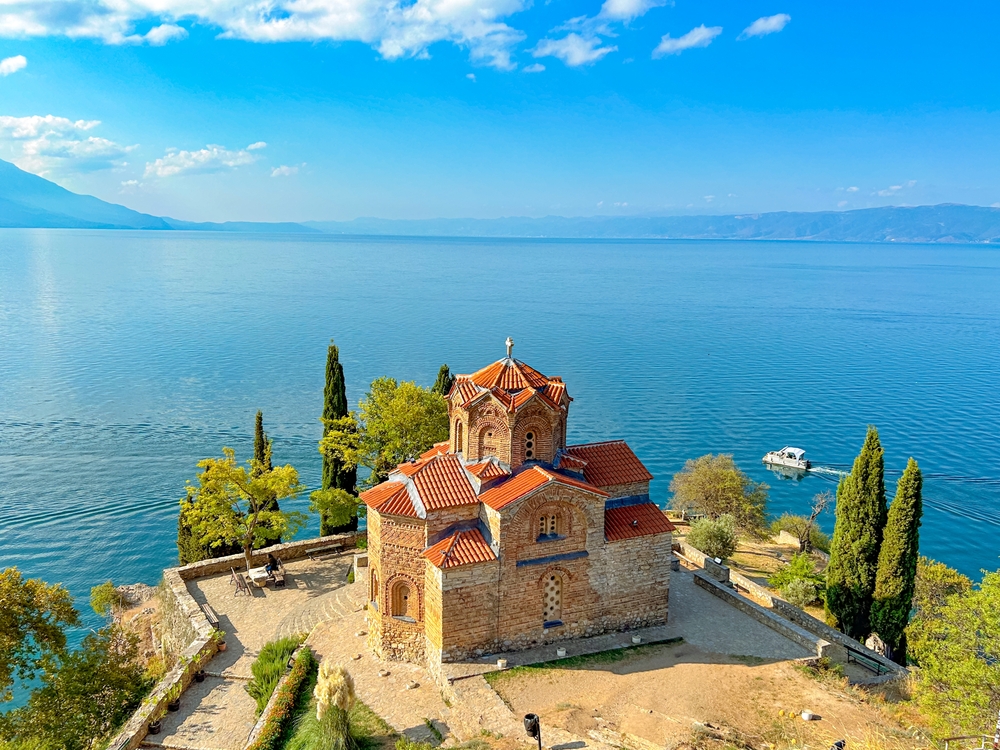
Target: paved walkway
{"type": "Point", "coordinates": [218, 714]}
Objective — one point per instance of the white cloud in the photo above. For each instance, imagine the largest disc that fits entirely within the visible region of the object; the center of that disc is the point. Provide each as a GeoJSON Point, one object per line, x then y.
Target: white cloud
{"type": "Point", "coordinates": [396, 29]}
{"type": "Point", "coordinates": [212, 158]}
{"type": "Point", "coordinates": [995, 205]}
{"type": "Point", "coordinates": [700, 36]}
{"type": "Point", "coordinates": [766, 25]}
{"type": "Point", "coordinates": [12, 64]}
{"type": "Point", "coordinates": [43, 144]}
{"type": "Point", "coordinates": [709, 198]}
{"type": "Point", "coordinates": [284, 171]}
{"type": "Point", "coordinates": [841, 204]}
{"type": "Point", "coordinates": [256, 146]}
{"type": "Point", "coordinates": [852, 189]}
{"type": "Point", "coordinates": [471, 77]}
{"type": "Point", "coordinates": [573, 49]}
{"type": "Point", "coordinates": [533, 68]}
{"type": "Point", "coordinates": [626, 10]}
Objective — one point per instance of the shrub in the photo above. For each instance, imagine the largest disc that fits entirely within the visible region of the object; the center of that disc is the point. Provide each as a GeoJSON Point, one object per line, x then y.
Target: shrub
{"type": "Point", "coordinates": [268, 668]}
{"type": "Point", "coordinates": [800, 566]}
{"type": "Point", "coordinates": [796, 526]}
{"type": "Point", "coordinates": [105, 599]}
{"type": "Point", "coordinates": [714, 537]}
{"type": "Point", "coordinates": [270, 737]}
{"type": "Point", "coordinates": [800, 592]}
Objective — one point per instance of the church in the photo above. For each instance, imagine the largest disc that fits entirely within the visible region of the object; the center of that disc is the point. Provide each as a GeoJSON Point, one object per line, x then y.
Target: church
{"type": "Point", "coordinates": [504, 537]}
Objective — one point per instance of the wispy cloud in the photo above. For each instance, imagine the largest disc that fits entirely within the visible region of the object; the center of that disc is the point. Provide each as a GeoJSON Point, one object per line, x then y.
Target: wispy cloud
{"type": "Point", "coordinates": [12, 64]}
{"type": "Point", "coordinates": [284, 171]}
{"type": "Point", "coordinates": [700, 36]}
{"type": "Point", "coordinates": [43, 144]}
{"type": "Point", "coordinates": [471, 77]}
{"type": "Point", "coordinates": [765, 25]}
{"type": "Point", "coordinates": [627, 10]}
{"type": "Point", "coordinates": [894, 189]}
{"type": "Point", "coordinates": [533, 68]}
{"type": "Point", "coordinates": [212, 158]}
{"type": "Point", "coordinates": [395, 29]}
{"type": "Point", "coordinates": [852, 189]}
{"type": "Point", "coordinates": [573, 49]}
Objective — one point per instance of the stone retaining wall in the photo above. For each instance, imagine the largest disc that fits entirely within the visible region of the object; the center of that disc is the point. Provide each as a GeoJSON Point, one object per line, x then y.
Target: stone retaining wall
{"type": "Point", "coordinates": [760, 594]}
{"type": "Point", "coordinates": [287, 551]}
{"type": "Point", "coordinates": [779, 624]}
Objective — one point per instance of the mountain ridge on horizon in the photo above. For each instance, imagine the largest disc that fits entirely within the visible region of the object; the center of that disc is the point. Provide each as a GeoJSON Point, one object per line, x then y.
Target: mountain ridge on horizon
{"type": "Point", "coordinates": [30, 201]}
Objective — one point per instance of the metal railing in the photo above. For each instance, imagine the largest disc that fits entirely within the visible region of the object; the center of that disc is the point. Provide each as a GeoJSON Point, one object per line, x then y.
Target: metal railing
{"type": "Point", "coordinates": [866, 661]}
{"type": "Point", "coordinates": [983, 739]}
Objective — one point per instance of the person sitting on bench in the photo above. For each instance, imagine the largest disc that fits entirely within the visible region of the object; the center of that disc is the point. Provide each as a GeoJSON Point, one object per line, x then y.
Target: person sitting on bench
{"type": "Point", "coordinates": [271, 567]}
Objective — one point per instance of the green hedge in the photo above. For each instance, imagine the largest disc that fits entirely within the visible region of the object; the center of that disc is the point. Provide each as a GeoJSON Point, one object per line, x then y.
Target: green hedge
{"type": "Point", "coordinates": [284, 705]}
{"type": "Point", "coordinates": [268, 668]}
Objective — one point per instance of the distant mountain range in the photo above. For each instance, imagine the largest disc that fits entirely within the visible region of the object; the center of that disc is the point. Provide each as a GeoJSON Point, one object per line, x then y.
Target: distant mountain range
{"type": "Point", "coordinates": [27, 200]}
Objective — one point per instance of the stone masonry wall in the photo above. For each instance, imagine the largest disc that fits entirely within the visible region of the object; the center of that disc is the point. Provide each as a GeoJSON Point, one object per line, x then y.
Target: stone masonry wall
{"type": "Point", "coordinates": [627, 490]}
{"type": "Point", "coordinates": [439, 521]}
{"type": "Point", "coordinates": [469, 611]}
{"type": "Point", "coordinates": [398, 560]}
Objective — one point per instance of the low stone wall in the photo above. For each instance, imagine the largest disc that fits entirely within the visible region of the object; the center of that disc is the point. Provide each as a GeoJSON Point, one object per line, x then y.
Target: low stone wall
{"type": "Point", "coordinates": [822, 630]}
{"type": "Point", "coordinates": [269, 708]}
{"type": "Point", "coordinates": [760, 594]}
{"type": "Point", "coordinates": [287, 551]}
{"type": "Point", "coordinates": [790, 630]}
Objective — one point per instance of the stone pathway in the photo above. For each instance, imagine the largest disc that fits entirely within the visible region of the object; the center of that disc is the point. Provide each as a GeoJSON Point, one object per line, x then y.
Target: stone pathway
{"type": "Point", "coordinates": [218, 714]}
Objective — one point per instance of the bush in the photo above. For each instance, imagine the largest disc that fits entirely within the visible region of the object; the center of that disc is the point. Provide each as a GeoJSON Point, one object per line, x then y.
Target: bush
{"type": "Point", "coordinates": [800, 592]}
{"type": "Point", "coordinates": [268, 668]}
{"type": "Point", "coordinates": [270, 737]}
{"type": "Point", "coordinates": [714, 537]}
{"type": "Point", "coordinates": [105, 599]}
{"type": "Point", "coordinates": [800, 566]}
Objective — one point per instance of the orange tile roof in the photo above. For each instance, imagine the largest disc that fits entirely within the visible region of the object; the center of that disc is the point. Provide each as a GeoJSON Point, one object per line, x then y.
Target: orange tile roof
{"type": "Point", "coordinates": [527, 481]}
{"type": "Point", "coordinates": [610, 463]}
{"type": "Point", "coordinates": [437, 449]}
{"type": "Point", "coordinates": [487, 470]}
{"type": "Point", "coordinates": [634, 521]}
{"type": "Point", "coordinates": [461, 548]}
{"type": "Point", "coordinates": [512, 382]}
{"type": "Point", "coordinates": [571, 462]}
{"type": "Point", "coordinates": [390, 498]}
{"type": "Point", "coordinates": [410, 467]}
{"type": "Point", "coordinates": [441, 482]}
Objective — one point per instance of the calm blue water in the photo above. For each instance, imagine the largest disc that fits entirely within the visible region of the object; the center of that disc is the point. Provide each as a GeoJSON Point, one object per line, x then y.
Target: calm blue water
{"type": "Point", "coordinates": [126, 357]}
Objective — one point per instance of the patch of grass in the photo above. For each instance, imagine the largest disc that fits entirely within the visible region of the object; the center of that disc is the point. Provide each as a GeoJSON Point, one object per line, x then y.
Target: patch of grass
{"type": "Point", "coordinates": [350, 576]}
{"type": "Point", "coordinates": [435, 732]}
{"type": "Point", "coordinates": [268, 668]}
{"type": "Point", "coordinates": [576, 662]}
{"type": "Point", "coordinates": [368, 729]}
{"type": "Point", "coordinates": [823, 670]}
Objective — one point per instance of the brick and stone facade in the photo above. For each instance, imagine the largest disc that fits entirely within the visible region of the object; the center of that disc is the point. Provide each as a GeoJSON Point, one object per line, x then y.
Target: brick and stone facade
{"type": "Point", "coordinates": [504, 537]}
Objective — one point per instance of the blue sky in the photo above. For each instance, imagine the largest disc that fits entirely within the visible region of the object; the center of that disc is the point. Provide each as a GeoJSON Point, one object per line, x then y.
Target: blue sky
{"type": "Point", "coordinates": [333, 109]}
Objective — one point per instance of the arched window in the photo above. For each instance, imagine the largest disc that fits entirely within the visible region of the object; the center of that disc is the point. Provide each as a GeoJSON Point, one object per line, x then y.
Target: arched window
{"type": "Point", "coordinates": [458, 437]}
{"type": "Point", "coordinates": [552, 601]}
{"type": "Point", "coordinates": [401, 605]}
{"type": "Point", "coordinates": [374, 590]}
{"type": "Point", "coordinates": [529, 446]}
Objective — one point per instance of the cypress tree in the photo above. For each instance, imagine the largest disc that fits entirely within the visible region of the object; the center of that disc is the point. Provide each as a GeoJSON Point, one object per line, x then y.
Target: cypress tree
{"type": "Point", "coordinates": [857, 536]}
{"type": "Point", "coordinates": [262, 457]}
{"type": "Point", "coordinates": [335, 475]}
{"type": "Point", "coordinates": [896, 578]}
{"type": "Point", "coordinates": [444, 381]}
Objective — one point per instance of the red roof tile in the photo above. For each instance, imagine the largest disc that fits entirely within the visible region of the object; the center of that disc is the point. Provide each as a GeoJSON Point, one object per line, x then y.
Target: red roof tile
{"type": "Point", "coordinates": [610, 463]}
{"type": "Point", "coordinates": [438, 449]}
{"type": "Point", "coordinates": [571, 462]}
{"type": "Point", "coordinates": [461, 548]}
{"type": "Point", "coordinates": [487, 470]}
{"type": "Point", "coordinates": [390, 498]}
{"type": "Point", "coordinates": [512, 382]}
{"type": "Point", "coordinates": [410, 467]}
{"type": "Point", "coordinates": [527, 481]}
{"type": "Point", "coordinates": [634, 521]}
{"type": "Point", "coordinates": [441, 482]}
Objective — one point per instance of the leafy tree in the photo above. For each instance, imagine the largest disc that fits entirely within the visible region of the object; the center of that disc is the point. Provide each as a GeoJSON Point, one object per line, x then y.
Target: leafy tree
{"type": "Point", "coordinates": [857, 536]}
{"type": "Point", "coordinates": [716, 537]}
{"type": "Point", "coordinates": [337, 474]}
{"type": "Point", "coordinates": [935, 583]}
{"type": "Point", "coordinates": [444, 381]}
{"type": "Point", "coordinates": [84, 697]}
{"type": "Point", "coordinates": [958, 649]}
{"type": "Point", "coordinates": [714, 485]}
{"type": "Point", "coordinates": [231, 504]}
{"type": "Point", "coordinates": [800, 591]}
{"type": "Point", "coordinates": [399, 422]}
{"type": "Point", "coordinates": [337, 507]}
{"type": "Point", "coordinates": [32, 618]}
{"type": "Point", "coordinates": [802, 529]}
{"type": "Point", "coordinates": [800, 567]}
{"type": "Point", "coordinates": [105, 599]}
{"type": "Point", "coordinates": [189, 546]}
{"type": "Point", "coordinates": [896, 576]}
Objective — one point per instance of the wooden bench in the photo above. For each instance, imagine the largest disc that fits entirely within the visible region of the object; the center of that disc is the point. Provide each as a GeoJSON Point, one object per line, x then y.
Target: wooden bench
{"type": "Point", "coordinates": [279, 574]}
{"type": "Point", "coordinates": [327, 550]}
{"type": "Point", "coordinates": [241, 583]}
{"type": "Point", "coordinates": [866, 661]}
{"type": "Point", "coordinates": [213, 619]}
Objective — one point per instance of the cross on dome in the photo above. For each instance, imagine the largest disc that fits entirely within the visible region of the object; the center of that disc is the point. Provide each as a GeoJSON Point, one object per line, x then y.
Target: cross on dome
{"type": "Point", "coordinates": [510, 346]}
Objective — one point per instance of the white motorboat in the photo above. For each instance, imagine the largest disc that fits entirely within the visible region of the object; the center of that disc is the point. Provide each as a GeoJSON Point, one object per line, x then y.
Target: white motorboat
{"type": "Point", "coordinates": [788, 456]}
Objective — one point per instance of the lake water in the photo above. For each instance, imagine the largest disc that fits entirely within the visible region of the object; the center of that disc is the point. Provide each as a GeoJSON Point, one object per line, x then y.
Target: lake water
{"type": "Point", "coordinates": [125, 357]}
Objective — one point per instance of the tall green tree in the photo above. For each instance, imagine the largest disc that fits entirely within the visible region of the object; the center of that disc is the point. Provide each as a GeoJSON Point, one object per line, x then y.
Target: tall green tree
{"type": "Point", "coordinates": [715, 485]}
{"type": "Point", "coordinates": [857, 537]}
{"type": "Point", "coordinates": [232, 504]}
{"type": "Point", "coordinates": [337, 475]}
{"type": "Point", "coordinates": [32, 618]}
{"type": "Point", "coordinates": [262, 446]}
{"type": "Point", "coordinates": [444, 381]}
{"type": "Point", "coordinates": [895, 579]}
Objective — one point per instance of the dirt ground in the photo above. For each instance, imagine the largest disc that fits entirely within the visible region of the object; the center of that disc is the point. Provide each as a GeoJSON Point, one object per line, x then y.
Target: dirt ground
{"type": "Point", "coordinates": [658, 694]}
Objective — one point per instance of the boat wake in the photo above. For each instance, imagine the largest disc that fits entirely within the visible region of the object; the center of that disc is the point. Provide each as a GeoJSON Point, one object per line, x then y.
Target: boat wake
{"type": "Point", "coordinates": [830, 471]}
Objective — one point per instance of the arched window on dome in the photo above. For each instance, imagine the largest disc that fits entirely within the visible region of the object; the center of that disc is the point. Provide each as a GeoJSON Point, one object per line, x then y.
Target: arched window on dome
{"type": "Point", "coordinates": [552, 601]}
{"type": "Point", "coordinates": [403, 607]}
{"type": "Point", "coordinates": [458, 436]}
{"type": "Point", "coordinates": [529, 446]}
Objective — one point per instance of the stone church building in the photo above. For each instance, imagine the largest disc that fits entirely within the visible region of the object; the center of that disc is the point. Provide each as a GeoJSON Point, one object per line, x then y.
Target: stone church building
{"type": "Point", "coordinates": [504, 537]}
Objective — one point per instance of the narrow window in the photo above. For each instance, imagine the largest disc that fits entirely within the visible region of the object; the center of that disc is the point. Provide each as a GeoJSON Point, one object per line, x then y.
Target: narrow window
{"type": "Point", "coordinates": [401, 601]}
{"type": "Point", "coordinates": [529, 446]}
{"type": "Point", "coordinates": [553, 526]}
{"type": "Point", "coordinates": [374, 589]}
{"type": "Point", "coordinates": [543, 526]}
{"type": "Point", "coordinates": [458, 437]}
{"type": "Point", "coordinates": [552, 602]}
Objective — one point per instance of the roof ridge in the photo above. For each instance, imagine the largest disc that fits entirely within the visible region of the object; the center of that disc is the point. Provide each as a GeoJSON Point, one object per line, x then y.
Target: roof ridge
{"type": "Point", "coordinates": [447, 553]}
{"type": "Point", "coordinates": [599, 442]}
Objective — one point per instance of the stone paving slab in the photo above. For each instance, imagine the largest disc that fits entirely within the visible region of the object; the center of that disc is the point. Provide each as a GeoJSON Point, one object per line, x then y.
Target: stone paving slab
{"type": "Point", "coordinates": [216, 714]}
